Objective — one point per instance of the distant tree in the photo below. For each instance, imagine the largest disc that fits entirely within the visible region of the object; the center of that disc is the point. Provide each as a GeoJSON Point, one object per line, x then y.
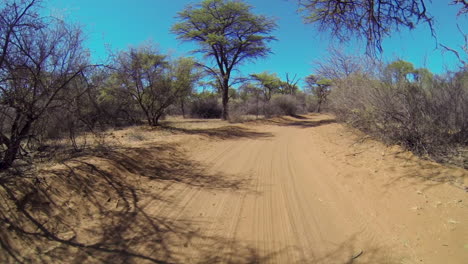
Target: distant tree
{"type": "Point", "coordinates": [290, 85]}
{"type": "Point", "coordinates": [228, 33]}
{"type": "Point", "coordinates": [269, 82]}
{"type": "Point", "coordinates": [140, 72]}
{"type": "Point", "coordinates": [399, 71]}
{"type": "Point", "coordinates": [423, 77]}
{"type": "Point", "coordinates": [249, 90]}
{"type": "Point", "coordinates": [149, 79]}
{"type": "Point", "coordinates": [372, 20]}
{"type": "Point", "coordinates": [186, 73]}
{"type": "Point", "coordinates": [39, 61]}
{"type": "Point", "coordinates": [320, 88]}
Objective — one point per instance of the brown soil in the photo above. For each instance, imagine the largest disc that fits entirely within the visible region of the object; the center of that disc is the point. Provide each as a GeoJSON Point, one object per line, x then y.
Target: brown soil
{"type": "Point", "coordinates": [286, 190]}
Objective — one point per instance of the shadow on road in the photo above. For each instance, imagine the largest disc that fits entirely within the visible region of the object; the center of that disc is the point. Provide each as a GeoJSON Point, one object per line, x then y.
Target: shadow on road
{"type": "Point", "coordinates": [226, 132]}
{"type": "Point", "coordinates": [357, 249]}
{"type": "Point", "coordinates": [425, 174]}
{"type": "Point", "coordinates": [297, 121]}
{"type": "Point", "coordinates": [310, 123]}
{"type": "Point", "coordinates": [101, 209]}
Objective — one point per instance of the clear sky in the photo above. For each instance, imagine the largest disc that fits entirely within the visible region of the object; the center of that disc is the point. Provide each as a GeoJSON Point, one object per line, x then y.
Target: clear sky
{"type": "Point", "coordinates": [118, 24]}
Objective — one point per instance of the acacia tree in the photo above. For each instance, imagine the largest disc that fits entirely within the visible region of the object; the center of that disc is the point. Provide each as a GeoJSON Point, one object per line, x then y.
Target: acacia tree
{"type": "Point", "coordinates": [39, 61]}
{"type": "Point", "coordinates": [320, 88]}
{"type": "Point", "coordinates": [269, 82]}
{"type": "Point", "coordinates": [399, 71]}
{"type": "Point", "coordinates": [152, 81]}
{"type": "Point", "coordinates": [290, 85]}
{"type": "Point", "coordinates": [228, 33]}
{"type": "Point", "coordinates": [186, 73]}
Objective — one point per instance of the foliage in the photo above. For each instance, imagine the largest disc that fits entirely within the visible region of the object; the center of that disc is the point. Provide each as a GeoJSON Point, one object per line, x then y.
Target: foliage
{"type": "Point", "coordinates": [319, 88]}
{"type": "Point", "coordinates": [403, 71]}
{"type": "Point", "coordinates": [399, 71]}
{"type": "Point", "coordinates": [153, 82]}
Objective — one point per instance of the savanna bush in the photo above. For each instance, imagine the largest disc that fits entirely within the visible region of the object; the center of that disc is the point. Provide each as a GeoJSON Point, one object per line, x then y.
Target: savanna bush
{"type": "Point", "coordinates": [206, 108]}
{"type": "Point", "coordinates": [237, 111]}
{"type": "Point", "coordinates": [284, 105]}
{"type": "Point", "coordinates": [427, 119]}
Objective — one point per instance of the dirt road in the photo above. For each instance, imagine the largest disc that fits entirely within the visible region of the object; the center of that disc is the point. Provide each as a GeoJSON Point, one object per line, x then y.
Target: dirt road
{"type": "Point", "coordinates": [287, 190]}
{"type": "Point", "coordinates": [316, 192]}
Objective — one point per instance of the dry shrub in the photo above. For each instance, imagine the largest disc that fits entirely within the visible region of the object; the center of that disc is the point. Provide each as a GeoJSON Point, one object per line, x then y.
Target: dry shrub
{"type": "Point", "coordinates": [279, 105]}
{"type": "Point", "coordinates": [237, 112]}
{"type": "Point", "coordinates": [284, 105]}
{"type": "Point", "coordinates": [430, 120]}
{"type": "Point", "coordinates": [206, 108]}
{"type": "Point", "coordinates": [136, 136]}
{"type": "Point", "coordinates": [253, 106]}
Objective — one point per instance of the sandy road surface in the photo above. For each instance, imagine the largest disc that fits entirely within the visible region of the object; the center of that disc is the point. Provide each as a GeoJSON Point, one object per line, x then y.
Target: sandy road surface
{"type": "Point", "coordinates": [287, 190]}
{"type": "Point", "coordinates": [315, 192]}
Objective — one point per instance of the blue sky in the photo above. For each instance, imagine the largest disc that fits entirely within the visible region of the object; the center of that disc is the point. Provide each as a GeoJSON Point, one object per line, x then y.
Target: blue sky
{"type": "Point", "coordinates": [118, 24]}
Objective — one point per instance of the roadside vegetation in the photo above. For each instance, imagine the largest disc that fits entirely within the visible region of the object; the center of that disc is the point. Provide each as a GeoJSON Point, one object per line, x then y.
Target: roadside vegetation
{"type": "Point", "coordinates": [399, 104]}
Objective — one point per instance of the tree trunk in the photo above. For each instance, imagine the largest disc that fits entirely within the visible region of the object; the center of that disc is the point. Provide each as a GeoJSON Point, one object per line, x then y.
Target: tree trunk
{"type": "Point", "coordinates": [182, 107]}
{"type": "Point", "coordinates": [14, 144]}
{"type": "Point", "coordinates": [155, 120]}
{"type": "Point", "coordinates": [10, 154]}
{"type": "Point", "coordinates": [225, 114]}
{"type": "Point", "coordinates": [257, 107]}
{"type": "Point", "coordinates": [150, 121]}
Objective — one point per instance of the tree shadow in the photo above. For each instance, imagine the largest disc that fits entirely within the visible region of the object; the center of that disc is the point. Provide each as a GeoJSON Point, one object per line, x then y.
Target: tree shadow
{"type": "Point", "coordinates": [310, 123]}
{"type": "Point", "coordinates": [109, 208]}
{"type": "Point", "coordinates": [300, 117]}
{"type": "Point", "coordinates": [296, 121]}
{"type": "Point", "coordinates": [106, 209]}
{"type": "Point", "coordinates": [225, 132]}
{"type": "Point", "coordinates": [426, 174]}
{"type": "Point", "coordinates": [189, 121]}
{"type": "Point", "coordinates": [355, 250]}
